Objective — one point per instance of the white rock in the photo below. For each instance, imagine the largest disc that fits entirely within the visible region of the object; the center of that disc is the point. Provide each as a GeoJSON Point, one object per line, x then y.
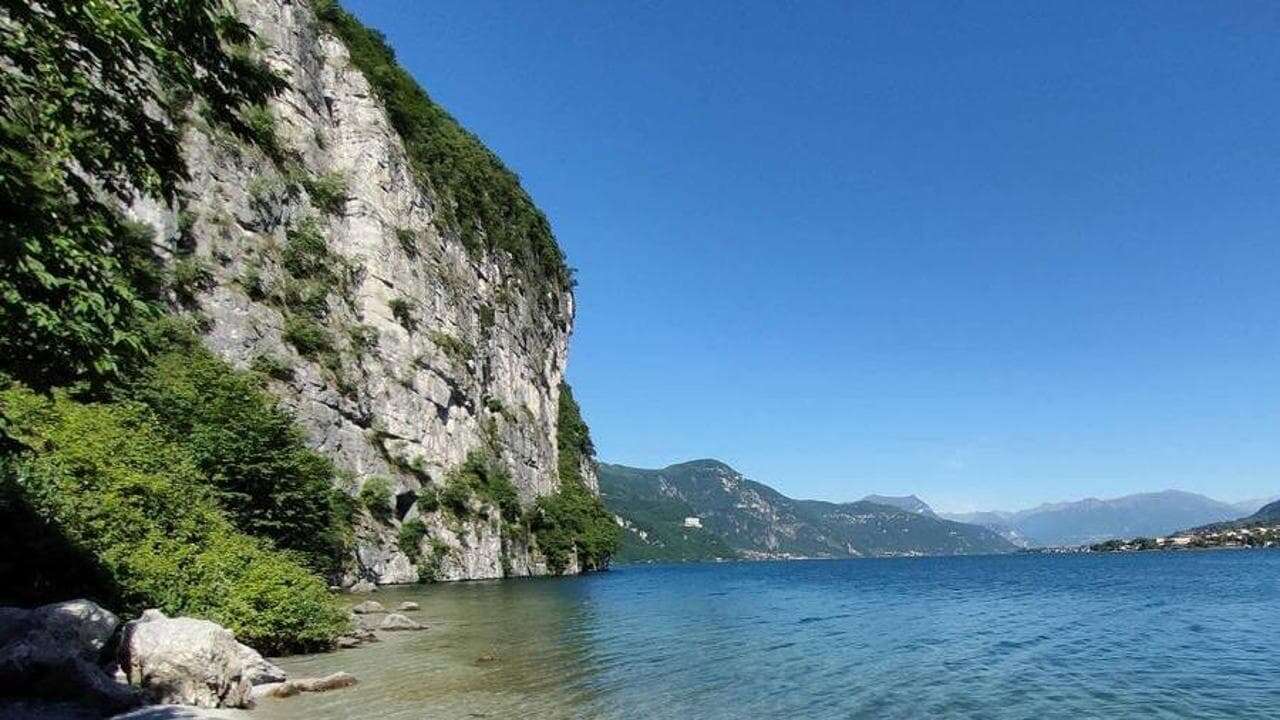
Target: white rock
{"type": "Point", "coordinates": [407, 606]}
{"type": "Point", "coordinates": [184, 661]}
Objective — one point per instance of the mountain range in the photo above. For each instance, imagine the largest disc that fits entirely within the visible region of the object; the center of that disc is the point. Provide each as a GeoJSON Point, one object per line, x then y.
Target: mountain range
{"type": "Point", "coordinates": [1092, 520]}
{"type": "Point", "coordinates": [705, 510]}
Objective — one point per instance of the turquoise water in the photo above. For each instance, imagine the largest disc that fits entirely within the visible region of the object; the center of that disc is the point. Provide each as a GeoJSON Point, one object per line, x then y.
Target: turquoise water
{"type": "Point", "coordinates": [1173, 635]}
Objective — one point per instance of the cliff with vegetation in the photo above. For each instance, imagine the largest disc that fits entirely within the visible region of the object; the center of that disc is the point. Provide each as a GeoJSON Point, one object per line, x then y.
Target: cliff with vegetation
{"type": "Point", "coordinates": [249, 262]}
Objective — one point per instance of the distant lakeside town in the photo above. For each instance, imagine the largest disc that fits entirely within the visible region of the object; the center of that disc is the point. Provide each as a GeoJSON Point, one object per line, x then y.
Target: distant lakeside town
{"type": "Point", "coordinates": [1209, 538]}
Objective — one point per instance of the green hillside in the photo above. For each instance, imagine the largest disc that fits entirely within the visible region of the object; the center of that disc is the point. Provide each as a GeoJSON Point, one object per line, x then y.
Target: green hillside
{"type": "Point", "coordinates": [741, 518]}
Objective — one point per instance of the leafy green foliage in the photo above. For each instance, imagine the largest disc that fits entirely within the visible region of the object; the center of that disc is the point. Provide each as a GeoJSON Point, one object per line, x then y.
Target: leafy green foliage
{"type": "Point", "coordinates": [308, 337]}
{"type": "Point", "coordinates": [91, 100]}
{"type": "Point", "coordinates": [306, 254]}
{"type": "Point", "coordinates": [410, 537]}
{"type": "Point", "coordinates": [189, 277]}
{"type": "Point", "coordinates": [265, 477]}
{"type": "Point", "coordinates": [573, 521]}
{"type": "Point", "coordinates": [375, 496]}
{"type": "Point", "coordinates": [408, 241]}
{"type": "Point", "coordinates": [328, 192]}
{"type": "Point", "coordinates": [457, 350]}
{"type": "Point", "coordinates": [404, 311]}
{"type": "Point", "coordinates": [364, 339]}
{"type": "Point", "coordinates": [273, 367]}
{"type": "Point", "coordinates": [482, 200]}
{"type": "Point", "coordinates": [482, 476]}
{"type": "Point", "coordinates": [260, 124]}
{"type": "Point", "coordinates": [135, 505]}
{"type": "Point", "coordinates": [428, 502]}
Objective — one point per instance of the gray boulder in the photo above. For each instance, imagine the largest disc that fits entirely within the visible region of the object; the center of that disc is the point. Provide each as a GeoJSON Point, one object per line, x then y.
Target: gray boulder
{"type": "Point", "coordinates": [396, 621]}
{"type": "Point", "coordinates": [257, 669]}
{"type": "Point", "coordinates": [82, 624]}
{"type": "Point", "coordinates": [407, 606]}
{"type": "Point", "coordinates": [364, 586]}
{"type": "Point", "coordinates": [184, 661]}
{"type": "Point", "coordinates": [367, 607]}
{"type": "Point", "coordinates": [52, 653]}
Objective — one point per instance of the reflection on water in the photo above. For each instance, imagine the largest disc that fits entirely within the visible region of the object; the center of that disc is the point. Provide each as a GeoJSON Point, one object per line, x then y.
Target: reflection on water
{"type": "Point", "coordinates": [1134, 636]}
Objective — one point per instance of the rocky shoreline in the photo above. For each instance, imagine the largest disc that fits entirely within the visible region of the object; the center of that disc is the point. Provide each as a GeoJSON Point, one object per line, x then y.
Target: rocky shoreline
{"type": "Point", "coordinates": [76, 660]}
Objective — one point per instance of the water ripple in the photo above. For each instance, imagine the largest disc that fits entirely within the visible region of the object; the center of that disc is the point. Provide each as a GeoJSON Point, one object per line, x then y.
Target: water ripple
{"type": "Point", "coordinates": [1148, 636]}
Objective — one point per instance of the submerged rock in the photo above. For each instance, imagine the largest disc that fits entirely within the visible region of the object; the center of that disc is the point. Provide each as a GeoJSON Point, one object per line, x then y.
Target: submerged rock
{"type": "Point", "coordinates": [396, 621]}
{"type": "Point", "coordinates": [184, 661]}
{"type": "Point", "coordinates": [289, 688]}
{"type": "Point", "coordinates": [407, 606]}
{"type": "Point", "coordinates": [367, 607]}
{"type": "Point", "coordinates": [334, 681]}
{"type": "Point", "coordinates": [275, 690]}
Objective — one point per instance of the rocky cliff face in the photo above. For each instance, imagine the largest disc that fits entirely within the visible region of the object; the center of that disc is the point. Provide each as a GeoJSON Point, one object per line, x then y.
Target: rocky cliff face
{"type": "Point", "coordinates": [323, 262]}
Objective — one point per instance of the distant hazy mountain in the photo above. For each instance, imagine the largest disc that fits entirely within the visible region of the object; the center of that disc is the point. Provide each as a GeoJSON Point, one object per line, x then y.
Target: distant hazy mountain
{"type": "Point", "coordinates": [1267, 515]}
{"type": "Point", "coordinates": [910, 503]}
{"type": "Point", "coordinates": [705, 509]}
{"type": "Point", "coordinates": [1249, 507]}
{"type": "Point", "coordinates": [997, 522]}
{"type": "Point", "coordinates": [1092, 520]}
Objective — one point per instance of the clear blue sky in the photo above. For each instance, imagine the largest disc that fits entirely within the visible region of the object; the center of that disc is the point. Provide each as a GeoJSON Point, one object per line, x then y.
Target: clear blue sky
{"type": "Point", "coordinates": [990, 253]}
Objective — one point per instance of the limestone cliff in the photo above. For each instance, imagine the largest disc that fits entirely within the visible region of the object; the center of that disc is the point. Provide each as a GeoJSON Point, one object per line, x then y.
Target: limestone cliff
{"type": "Point", "coordinates": [322, 256]}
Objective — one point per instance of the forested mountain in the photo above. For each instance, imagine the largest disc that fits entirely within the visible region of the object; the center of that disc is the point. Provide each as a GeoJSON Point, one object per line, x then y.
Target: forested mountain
{"type": "Point", "coordinates": [705, 509]}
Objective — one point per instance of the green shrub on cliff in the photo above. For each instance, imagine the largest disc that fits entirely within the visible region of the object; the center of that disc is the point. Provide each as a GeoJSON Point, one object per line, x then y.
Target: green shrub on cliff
{"type": "Point", "coordinates": [480, 475]}
{"type": "Point", "coordinates": [409, 538]}
{"type": "Point", "coordinates": [135, 506]}
{"type": "Point", "coordinates": [572, 521]}
{"type": "Point", "coordinates": [375, 496]}
{"type": "Point", "coordinates": [263, 474]}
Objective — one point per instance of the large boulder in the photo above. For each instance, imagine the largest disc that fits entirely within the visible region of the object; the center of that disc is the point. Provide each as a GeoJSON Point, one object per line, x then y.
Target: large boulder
{"type": "Point", "coordinates": [52, 653]}
{"type": "Point", "coordinates": [184, 661]}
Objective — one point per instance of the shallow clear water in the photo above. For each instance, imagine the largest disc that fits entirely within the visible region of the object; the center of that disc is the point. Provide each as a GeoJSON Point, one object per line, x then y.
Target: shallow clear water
{"type": "Point", "coordinates": [1172, 635]}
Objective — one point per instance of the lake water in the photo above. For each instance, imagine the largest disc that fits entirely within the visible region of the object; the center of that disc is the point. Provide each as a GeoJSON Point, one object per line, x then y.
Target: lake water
{"type": "Point", "coordinates": [1172, 635]}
